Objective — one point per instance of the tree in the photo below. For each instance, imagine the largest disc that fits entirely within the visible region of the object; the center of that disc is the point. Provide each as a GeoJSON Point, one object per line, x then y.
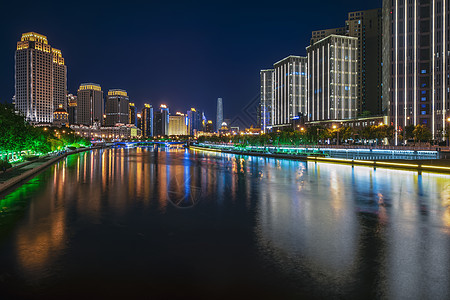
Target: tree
{"type": "Point", "coordinates": [408, 132]}
{"type": "Point", "coordinates": [422, 133]}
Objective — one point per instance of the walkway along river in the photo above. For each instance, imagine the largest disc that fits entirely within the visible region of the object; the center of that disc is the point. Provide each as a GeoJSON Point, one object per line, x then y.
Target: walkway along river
{"type": "Point", "coordinates": [126, 222]}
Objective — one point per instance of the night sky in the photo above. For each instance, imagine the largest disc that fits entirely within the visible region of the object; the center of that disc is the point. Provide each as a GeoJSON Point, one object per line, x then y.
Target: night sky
{"type": "Point", "coordinates": [181, 53]}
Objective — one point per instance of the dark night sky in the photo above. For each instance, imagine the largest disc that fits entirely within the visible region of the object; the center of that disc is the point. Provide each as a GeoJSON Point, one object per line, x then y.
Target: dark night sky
{"type": "Point", "coordinates": [182, 53]}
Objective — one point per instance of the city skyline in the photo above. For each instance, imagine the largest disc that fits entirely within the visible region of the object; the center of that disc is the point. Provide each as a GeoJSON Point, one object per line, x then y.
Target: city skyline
{"type": "Point", "coordinates": [224, 43]}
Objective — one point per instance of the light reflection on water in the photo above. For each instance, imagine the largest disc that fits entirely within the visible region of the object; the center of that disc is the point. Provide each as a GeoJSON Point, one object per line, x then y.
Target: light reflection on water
{"type": "Point", "coordinates": [226, 223]}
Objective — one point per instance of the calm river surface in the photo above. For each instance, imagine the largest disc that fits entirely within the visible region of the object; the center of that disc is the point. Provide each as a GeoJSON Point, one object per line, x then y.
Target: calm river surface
{"type": "Point", "coordinates": [121, 223]}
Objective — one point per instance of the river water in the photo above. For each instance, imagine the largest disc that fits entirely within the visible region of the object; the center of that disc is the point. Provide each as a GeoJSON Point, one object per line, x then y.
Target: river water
{"type": "Point", "coordinates": [160, 223]}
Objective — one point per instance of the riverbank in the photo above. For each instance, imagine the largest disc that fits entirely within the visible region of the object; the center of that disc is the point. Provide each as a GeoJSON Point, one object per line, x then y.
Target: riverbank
{"type": "Point", "coordinates": [434, 166]}
{"type": "Point", "coordinates": [24, 171]}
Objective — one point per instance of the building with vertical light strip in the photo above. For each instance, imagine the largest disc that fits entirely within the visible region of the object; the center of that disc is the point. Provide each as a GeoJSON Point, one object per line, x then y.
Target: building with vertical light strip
{"type": "Point", "coordinates": [219, 115]}
{"type": "Point", "coordinates": [132, 113]}
{"type": "Point", "coordinates": [332, 84]}
{"type": "Point", "coordinates": [416, 56]}
{"type": "Point", "coordinates": [289, 89]}
{"type": "Point", "coordinates": [194, 121]}
{"type": "Point", "coordinates": [40, 78]}
{"type": "Point", "coordinates": [90, 105]}
{"type": "Point", "coordinates": [146, 123]}
{"type": "Point", "coordinates": [266, 100]}
{"type": "Point", "coordinates": [117, 107]}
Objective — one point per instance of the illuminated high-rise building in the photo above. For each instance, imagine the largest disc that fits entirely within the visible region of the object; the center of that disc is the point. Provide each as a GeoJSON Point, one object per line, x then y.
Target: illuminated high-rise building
{"type": "Point", "coordinates": [147, 121]}
{"type": "Point", "coordinates": [266, 100]}
{"type": "Point", "coordinates": [41, 78]}
{"type": "Point", "coordinates": [90, 105]}
{"type": "Point", "coordinates": [178, 124]}
{"type": "Point", "coordinates": [416, 68]}
{"type": "Point", "coordinates": [332, 84]}
{"type": "Point", "coordinates": [117, 107]}
{"type": "Point", "coordinates": [367, 27]}
{"type": "Point", "coordinates": [289, 89]}
{"type": "Point", "coordinates": [161, 121]}
{"type": "Point", "coordinates": [219, 117]}
{"type": "Point", "coordinates": [72, 109]}
{"type": "Point", "coordinates": [132, 114]}
{"type": "Point", "coordinates": [194, 121]}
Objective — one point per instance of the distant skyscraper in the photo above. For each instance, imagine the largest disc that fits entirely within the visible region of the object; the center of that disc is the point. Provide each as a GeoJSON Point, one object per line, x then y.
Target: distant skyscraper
{"type": "Point", "coordinates": [289, 84]}
{"type": "Point", "coordinates": [132, 114]}
{"type": "Point", "coordinates": [195, 121]}
{"type": "Point", "coordinates": [161, 121]}
{"type": "Point", "coordinates": [41, 80]}
{"type": "Point", "coordinates": [266, 102]}
{"type": "Point", "coordinates": [90, 106]}
{"type": "Point", "coordinates": [147, 121]}
{"type": "Point", "coordinates": [219, 119]}
{"type": "Point", "coordinates": [416, 64]}
{"type": "Point", "coordinates": [72, 108]}
{"type": "Point", "coordinates": [177, 124]}
{"type": "Point", "coordinates": [116, 108]}
{"type": "Point", "coordinates": [332, 78]}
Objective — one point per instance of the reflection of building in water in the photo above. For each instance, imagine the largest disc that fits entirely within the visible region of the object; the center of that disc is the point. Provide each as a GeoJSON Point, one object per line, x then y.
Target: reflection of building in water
{"type": "Point", "coordinates": [303, 222]}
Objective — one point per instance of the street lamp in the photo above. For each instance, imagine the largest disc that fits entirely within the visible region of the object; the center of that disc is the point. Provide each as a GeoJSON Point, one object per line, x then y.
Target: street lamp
{"type": "Point", "coordinates": [337, 141]}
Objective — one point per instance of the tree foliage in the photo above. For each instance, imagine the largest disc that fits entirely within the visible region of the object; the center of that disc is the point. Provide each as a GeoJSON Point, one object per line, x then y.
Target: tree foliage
{"type": "Point", "coordinates": [17, 135]}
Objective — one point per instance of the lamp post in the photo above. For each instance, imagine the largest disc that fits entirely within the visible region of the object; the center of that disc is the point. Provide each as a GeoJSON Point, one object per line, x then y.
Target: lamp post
{"type": "Point", "coordinates": [337, 141]}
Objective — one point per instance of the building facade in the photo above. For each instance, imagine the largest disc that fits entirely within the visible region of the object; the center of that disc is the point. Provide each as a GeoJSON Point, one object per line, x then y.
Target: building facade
{"type": "Point", "coordinates": [194, 121]}
{"type": "Point", "coordinates": [40, 78]}
{"type": "Point", "coordinates": [178, 124]}
{"type": "Point", "coordinates": [416, 60]}
{"type": "Point", "coordinates": [117, 107]}
{"type": "Point", "coordinates": [332, 91]}
{"type": "Point", "coordinates": [318, 35]}
{"type": "Point", "coordinates": [146, 121]}
{"type": "Point", "coordinates": [161, 121]}
{"type": "Point", "coordinates": [367, 27]}
{"type": "Point", "coordinates": [132, 113]}
{"type": "Point", "coordinates": [90, 105]}
{"type": "Point", "coordinates": [289, 89]}
{"type": "Point", "coordinates": [266, 100]}
{"type": "Point", "coordinates": [72, 108]}
{"type": "Point", "coordinates": [219, 114]}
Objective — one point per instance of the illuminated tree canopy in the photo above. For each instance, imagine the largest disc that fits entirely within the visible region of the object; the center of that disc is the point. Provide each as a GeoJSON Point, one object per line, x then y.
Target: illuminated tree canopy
{"type": "Point", "coordinates": [16, 135]}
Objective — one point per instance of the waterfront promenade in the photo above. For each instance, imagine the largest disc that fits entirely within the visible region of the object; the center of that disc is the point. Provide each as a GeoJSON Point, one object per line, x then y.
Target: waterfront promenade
{"type": "Point", "coordinates": [421, 159]}
{"type": "Point", "coordinates": [23, 171]}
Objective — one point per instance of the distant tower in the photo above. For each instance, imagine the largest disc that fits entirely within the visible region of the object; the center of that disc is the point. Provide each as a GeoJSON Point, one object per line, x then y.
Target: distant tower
{"type": "Point", "coordinates": [41, 80]}
{"type": "Point", "coordinates": [117, 107]}
{"type": "Point", "coordinates": [90, 106]}
{"type": "Point", "coordinates": [161, 121]}
{"type": "Point", "coordinates": [72, 108]}
{"type": "Point", "coordinates": [132, 114]}
{"type": "Point", "coordinates": [219, 119]}
{"type": "Point", "coordinates": [146, 121]}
